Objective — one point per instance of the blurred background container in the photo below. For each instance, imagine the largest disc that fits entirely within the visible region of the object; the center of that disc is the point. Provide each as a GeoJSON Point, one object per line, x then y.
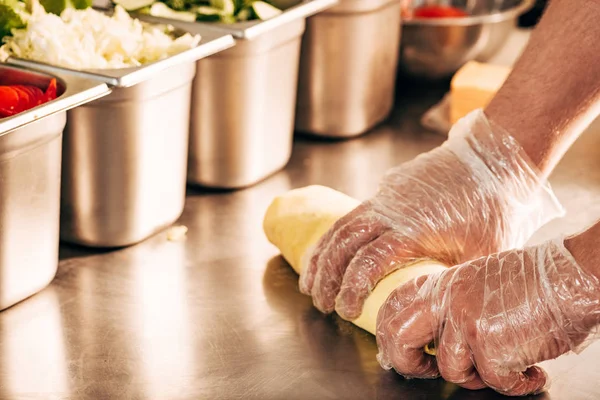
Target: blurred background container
{"type": "Point", "coordinates": [348, 68]}
{"type": "Point", "coordinates": [243, 109]}
{"type": "Point", "coordinates": [435, 48]}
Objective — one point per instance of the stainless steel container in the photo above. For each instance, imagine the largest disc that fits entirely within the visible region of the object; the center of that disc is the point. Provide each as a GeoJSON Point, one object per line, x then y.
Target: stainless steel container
{"type": "Point", "coordinates": [30, 165]}
{"type": "Point", "coordinates": [242, 122]}
{"type": "Point", "coordinates": [348, 68]}
{"type": "Point", "coordinates": [435, 48]}
{"type": "Point", "coordinates": [125, 156]}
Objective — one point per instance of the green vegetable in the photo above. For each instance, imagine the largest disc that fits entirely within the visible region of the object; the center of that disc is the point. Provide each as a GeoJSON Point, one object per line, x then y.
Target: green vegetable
{"type": "Point", "coordinates": [244, 14]}
{"type": "Point", "coordinates": [13, 15]}
{"type": "Point", "coordinates": [222, 11]}
{"type": "Point", "coordinates": [133, 5]}
{"type": "Point", "coordinates": [207, 14]}
{"type": "Point", "coordinates": [81, 4]}
{"type": "Point", "coordinates": [264, 10]}
{"type": "Point", "coordinates": [58, 6]}
{"type": "Point", "coordinates": [177, 5]}
{"type": "Point", "coordinates": [226, 6]}
{"type": "Point", "coordinates": [228, 19]}
{"type": "Point", "coordinates": [162, 10]}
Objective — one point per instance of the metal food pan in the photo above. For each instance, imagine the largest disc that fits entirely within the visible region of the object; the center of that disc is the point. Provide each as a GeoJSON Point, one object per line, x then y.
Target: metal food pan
{"type": "Point", "coordinates": [348, 68]}
{"type": "Point", "coordinates": [30, 165]}
{"type": "Point", "coordinates": [125, 156]}
{"type": "Point", "coordinates": [243, 106]}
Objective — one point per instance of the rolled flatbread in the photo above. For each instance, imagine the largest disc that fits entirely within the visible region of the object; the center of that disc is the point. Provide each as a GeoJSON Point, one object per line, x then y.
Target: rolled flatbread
{"type": "Point", "coordinates": [296, 220]}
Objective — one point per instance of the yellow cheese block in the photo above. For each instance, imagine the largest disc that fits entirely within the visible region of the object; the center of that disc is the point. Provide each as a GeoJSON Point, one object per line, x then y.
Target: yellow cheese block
{"type": "Point", "coordinates": [473, 86]}
{"type": "Point", "coordinates": [296, 220]}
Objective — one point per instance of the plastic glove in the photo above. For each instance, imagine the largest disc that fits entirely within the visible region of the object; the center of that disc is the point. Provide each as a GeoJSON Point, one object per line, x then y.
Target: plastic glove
{"type": "Point", "coordinates": [475, 195]}
{"type": "Point", "coordinates": [491, 319]}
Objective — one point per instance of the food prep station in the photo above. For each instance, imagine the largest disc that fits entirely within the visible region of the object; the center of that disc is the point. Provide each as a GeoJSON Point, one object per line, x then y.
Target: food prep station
{"type": "Point", "coordinates": [205, 139]}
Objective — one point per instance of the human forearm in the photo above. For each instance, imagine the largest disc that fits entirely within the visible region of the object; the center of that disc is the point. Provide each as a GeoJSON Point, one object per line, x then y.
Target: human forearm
{"type": "Point", "coordinates": [553, 92]}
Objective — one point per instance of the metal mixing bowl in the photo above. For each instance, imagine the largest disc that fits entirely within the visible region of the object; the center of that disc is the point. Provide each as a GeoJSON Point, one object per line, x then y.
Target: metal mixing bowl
{"type": "Point", "coordinates": [438, 47]}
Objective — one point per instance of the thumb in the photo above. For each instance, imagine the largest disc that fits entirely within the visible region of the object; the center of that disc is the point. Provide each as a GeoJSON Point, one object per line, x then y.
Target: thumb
{"type": "Point", "coordinates": [533, 380]}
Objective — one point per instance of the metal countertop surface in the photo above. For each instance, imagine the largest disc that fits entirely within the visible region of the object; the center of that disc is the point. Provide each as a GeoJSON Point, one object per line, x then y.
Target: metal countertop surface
{"type": "Point", "coordinates": [219, 316]}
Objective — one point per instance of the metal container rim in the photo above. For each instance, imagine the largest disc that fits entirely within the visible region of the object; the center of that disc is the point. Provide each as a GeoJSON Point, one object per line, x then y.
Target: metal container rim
{"type": "Point", "coordinates": [78, 91]}
{"type": "Point", "coordinates": [252, 29]}
{"type": "Point", "coordinates": [210, 43]}
{"type": "Point", "coordinates": [496, 17]}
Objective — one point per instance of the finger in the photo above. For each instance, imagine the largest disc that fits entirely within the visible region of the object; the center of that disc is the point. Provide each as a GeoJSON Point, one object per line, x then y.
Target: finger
{"type": "Point", "coordinates": [454, 360]}
{"type": "Point", "coordinates": [333, 261]}
{"type": "Point", "coordinates": [404, 327]}
{"type": "Point", "coordinates": [371, 264]}
{"type": "Point", "coordinates": [308, 275]}
{"type": "Point", "coordinates": [531, 381]}
{"type": "Point", "coordinates": [344, 223]}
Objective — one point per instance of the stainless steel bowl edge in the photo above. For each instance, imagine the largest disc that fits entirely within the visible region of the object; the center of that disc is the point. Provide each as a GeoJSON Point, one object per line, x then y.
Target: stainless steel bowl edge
{"type": "Point", "coordinates": [437, 48]}
{"type": "Point", "coordinates": [504, 15]}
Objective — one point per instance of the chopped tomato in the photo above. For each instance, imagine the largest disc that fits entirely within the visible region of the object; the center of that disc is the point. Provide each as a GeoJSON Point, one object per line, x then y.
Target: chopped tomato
{"type": "Point", "coordinates": [439, 12]}
{"type": "Point", "coordinates": [18, 98]}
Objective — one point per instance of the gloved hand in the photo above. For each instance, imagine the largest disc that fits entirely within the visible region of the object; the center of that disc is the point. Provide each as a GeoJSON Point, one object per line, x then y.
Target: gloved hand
{"type": "Point", "coordinates": [491, 319]}
{"type": "Point", "coordinates": [475, 195]}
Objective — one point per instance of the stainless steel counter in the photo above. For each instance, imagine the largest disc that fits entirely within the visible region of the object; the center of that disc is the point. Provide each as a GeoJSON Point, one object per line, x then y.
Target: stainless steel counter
{"type": "Point", "coordinates": [218, 315]}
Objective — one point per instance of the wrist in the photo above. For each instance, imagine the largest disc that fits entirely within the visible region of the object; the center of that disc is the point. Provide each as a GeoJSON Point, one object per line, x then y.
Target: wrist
{"type": "Point", "coordinates": [585, 249]}
{"type": "Point", "coordinates": [477, 137]}
{"type": "Point", "coordinates": [502, 113]}
{"type": "Point", "coordinates": [572, 290]}
{"type": "Point", "coordinates": [506, 175]}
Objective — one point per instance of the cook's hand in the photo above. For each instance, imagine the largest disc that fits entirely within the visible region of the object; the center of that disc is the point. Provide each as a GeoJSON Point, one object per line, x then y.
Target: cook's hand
{"type": "Point", "coordinates": [491, 319]}
{"type": "Point", "coordinates": [474, 195]}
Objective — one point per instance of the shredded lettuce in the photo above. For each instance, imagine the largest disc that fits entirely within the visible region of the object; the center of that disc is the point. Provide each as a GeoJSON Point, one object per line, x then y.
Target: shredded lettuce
{"type": "Point", "coordinates": [89, 39]}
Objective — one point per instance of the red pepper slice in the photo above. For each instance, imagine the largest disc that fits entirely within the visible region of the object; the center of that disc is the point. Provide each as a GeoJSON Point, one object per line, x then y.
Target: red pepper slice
{"type": "Point", "coordinates": [24, 99]}
{"type": "Point", "coordinates": [35, 93]}
{"type": "Point", "coordinates": [439, 12]}
{"type": "Point", "coordinates": [6, 113]}
{"type": "Point", "coordinates": [17, 98]}
{"type": "Point", "coordinates": [51, 90]}
{"type": "Point", "coordinates": [9, 98]}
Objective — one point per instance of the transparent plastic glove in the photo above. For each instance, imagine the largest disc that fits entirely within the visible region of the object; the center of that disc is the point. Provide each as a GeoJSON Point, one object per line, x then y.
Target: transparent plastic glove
{"type": "Point", "coordinates": [476, 194]}
{"type": "Point", "coordinates": [491, 319]}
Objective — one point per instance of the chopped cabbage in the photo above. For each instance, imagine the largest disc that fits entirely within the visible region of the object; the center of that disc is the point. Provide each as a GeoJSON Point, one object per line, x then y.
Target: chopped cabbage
{"type": "Point", "coordinates": [89, 39]}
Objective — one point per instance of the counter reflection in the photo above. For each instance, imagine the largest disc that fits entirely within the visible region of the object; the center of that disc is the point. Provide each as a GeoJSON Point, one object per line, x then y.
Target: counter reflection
{"type": "Point", "coordinates": [341, 355]}
{"type": "Point", "coordinates": [161, 328]}
{"type": "Point", "coordinates": [32, 346]}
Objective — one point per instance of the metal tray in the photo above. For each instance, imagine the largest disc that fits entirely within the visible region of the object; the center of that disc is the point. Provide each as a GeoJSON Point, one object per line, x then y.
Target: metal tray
{"type": "Point", "coordinates": [30, 166]}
